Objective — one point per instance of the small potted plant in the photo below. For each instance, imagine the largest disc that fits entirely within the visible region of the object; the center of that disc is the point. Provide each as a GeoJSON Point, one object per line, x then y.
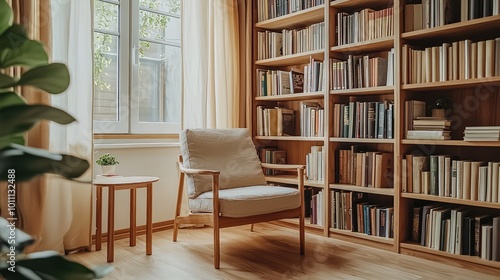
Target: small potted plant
{"type": "Point", "coordinates": [440, 106]}
{"type": "Point", "coordinates": [107, 163]}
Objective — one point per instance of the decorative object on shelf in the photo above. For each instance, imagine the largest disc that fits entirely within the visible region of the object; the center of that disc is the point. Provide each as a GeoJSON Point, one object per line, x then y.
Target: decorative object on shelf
{"type": "Point", "coordinates": [108, 164]}
{"type": "Point", "coordinates": [439, 107]}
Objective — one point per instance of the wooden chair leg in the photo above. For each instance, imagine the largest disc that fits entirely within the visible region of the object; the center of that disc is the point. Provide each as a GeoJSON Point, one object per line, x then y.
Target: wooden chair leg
{"type": "Point", "coordinates": [179, 203]}
{"type": "Point", "coordinates": [302, 236]}
{"type": "Point", "coordinates": [216, 246]}
{"type": "Point", "coordinates": [251, 227]}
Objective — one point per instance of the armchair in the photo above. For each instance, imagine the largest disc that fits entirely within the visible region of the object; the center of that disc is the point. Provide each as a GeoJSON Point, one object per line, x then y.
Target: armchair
{"type": "Point", "coordinates": [226, 185]}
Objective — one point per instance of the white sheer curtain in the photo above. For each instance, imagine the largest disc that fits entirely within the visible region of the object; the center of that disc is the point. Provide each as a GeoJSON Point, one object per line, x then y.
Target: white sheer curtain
{"type": "Point", "coordinates": [68, 208]}
{"type": "Point", "coordinates": [211, 65]}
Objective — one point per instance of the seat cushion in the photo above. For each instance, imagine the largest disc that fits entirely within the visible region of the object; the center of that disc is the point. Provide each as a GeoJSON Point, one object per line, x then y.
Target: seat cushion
{"type": "Point", "coordinates": [248, 201]}
{"type": "Point", "coordinates": [231, 151]}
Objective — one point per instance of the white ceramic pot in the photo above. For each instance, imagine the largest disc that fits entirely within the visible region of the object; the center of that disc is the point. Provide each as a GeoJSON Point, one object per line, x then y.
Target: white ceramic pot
{"type": "Point", "coordinates": [108, 169]}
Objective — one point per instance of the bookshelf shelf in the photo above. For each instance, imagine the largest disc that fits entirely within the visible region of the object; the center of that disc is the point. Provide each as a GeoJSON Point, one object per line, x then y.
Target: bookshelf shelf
{"type": "Point", "coordinates": [389, 241]}
{"type": "Point", "coordinates": [290, 138]}
{"type": "Point", "coordinates": [356, 4]}
{"type": "Point", "coordinates": [380, 191]}
{"type": "Point", "coordinates": [451, 200]}
{"type": "Point", "coordinates": [364, 91]}
{"type": "Point", "coordinates": [294, 59]}
{"type": "Point", "coordinates": [459, 143]}
{"type": "Point", "coordinates": [362, 140]}
{"type": "Point", "coordinates": [380, 44]}
{"type": "Point", "coordinates": [459, 84]}
{"type": "Point", "coordinates": [292, 97]}
{"type": "Point", "coordinates": [294, 20]}
{"type": "Point", "coordinates": [412, 248]}
{"type": "Point", "coordinates": [286, 179]}
{"type": "Point", "coordinates": [459, 30]}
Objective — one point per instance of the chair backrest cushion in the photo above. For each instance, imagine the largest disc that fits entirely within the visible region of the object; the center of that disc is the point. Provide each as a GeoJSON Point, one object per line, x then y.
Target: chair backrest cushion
{"type": "Point", "coordinates": [231, 151]}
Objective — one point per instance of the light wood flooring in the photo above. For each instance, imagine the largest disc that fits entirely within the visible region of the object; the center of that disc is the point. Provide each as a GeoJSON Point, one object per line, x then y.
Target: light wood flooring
{"type": "Point", "coordinates": [270, 252]}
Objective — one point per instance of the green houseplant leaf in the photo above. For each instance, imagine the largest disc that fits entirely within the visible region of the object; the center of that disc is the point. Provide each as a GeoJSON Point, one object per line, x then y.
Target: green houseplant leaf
{"type": "Point", "coordinates": [29, 54]}
{"type": "Point", "coordinates": [6, 16]}
{"type": "Point", "coordinates": [30, 162]}
{"type": "Point", "coordinates": [52, 78]}
{"type": "Point", "coordinates": [6, 81]}
{"type": "Point", "coordinates": [20, 118]}
{"type": "Point", "coordinates": [8, 99]}
{"type": "Point", "coordinates": [13, 37]}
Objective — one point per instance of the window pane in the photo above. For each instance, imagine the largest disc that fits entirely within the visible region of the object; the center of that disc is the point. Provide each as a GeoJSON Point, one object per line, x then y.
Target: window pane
{"type": "Point", "coordinates": [159, 27]}
{"type": "Point", "coordinates": [105, 77]}
{"type": "Point", "coordinates": [106, 16]}
{"type": "Point", "coordinates": [168, 6]}
{"type": "Point", "coordinates": [159, 93]}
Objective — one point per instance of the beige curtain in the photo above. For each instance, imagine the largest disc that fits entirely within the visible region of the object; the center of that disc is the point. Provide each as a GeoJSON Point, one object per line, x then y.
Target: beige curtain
{"type": "Point", "coordinates": [246, 70]}
{"type": "Point", "coordinates": [35, 16]}
{"type": "Point", "coordinates": [211, 64]}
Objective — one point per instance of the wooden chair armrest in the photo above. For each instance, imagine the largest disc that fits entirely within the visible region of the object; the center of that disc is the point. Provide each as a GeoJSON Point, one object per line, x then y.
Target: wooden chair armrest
{"type": "Point", "coordinates": [291, 167]}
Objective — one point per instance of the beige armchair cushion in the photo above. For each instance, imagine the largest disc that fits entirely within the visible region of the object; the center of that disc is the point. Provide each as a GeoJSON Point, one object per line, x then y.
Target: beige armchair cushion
{"type": "Point", "coordinates": [248, 201]}
{"type": "Point", "coordinates": [231, 151]}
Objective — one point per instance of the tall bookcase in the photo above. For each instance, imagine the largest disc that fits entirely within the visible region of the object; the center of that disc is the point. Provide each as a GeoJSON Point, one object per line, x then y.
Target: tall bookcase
{"type": "Point", "coordinates": [479, 96]}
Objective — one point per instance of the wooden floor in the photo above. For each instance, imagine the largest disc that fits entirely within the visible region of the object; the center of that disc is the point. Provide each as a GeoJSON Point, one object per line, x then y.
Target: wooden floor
{"type": "Point", "coordinates": [270, 252]}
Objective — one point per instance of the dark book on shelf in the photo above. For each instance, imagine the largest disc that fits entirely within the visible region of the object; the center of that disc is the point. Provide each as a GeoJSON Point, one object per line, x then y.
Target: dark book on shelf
{"type": "Point", "coordinates": [356, 199]}
{"type": "Point", "coordinates": [468, 236]}
{"type": "Point", "coordinates": [496, 240]}
{"type": "Point", "coordinates": [297, 81]}
{"type": "Point", "coordinates": [416, 224]}
{"type": "Point", "coordinates": [479, 222]}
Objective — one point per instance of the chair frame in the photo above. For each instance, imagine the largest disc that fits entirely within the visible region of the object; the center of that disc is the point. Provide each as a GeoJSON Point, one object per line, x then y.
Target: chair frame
{"type": "Point", "coordinates": [217, 221]}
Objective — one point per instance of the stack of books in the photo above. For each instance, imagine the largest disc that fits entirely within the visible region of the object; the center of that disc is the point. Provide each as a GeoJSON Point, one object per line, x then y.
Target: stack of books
{"type": "Point", "coordinates": [430, 128]}
{"type": "Point", "coordinates": [482, 133]}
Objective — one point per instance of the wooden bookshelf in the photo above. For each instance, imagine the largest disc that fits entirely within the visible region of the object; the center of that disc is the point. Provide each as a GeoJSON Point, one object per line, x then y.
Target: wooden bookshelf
{"type": "Point", "coordinates": [294, 20]}
{"type": "Point", "coordinates": [366, 46]}
{"type": "Point", "coordinates": [443, 199]}
{"type": "Point", "coordinates": [458, 84]}
{"type": "Point", "coordinates": [362, 140]}
{"type": "Point", "coordinates": [292, 180]}
{"type": "Point", "coordinates": [364, 91]}
{"type": "Point", "coordinates": [456, 90]}
{"type": "Point", "coordinates": [290, 138]}
{"type": "Point", "coordinates": [294, 59]}
{"type": "Point", "coordinates": [458, 143]}
{"type": "Point", "coordinates": [291, 97]}
{"type": "Point", "coordinates": [352, 188]}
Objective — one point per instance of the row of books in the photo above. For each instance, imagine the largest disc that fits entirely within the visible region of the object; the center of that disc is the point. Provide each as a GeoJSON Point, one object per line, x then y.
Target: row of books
{"type": "Point", "coordinates": [268, 9]}
{"type": "Point", "coordinates": [433, 13]}
{"type": "Point", "coordinates": [315, 162]}
{"type": "Point", "coordinates": [312, 119]}
{"type": "Point", "coordinates": [303, 40]}
{"type": "Point", "coordinates": [271, 155]}
{"type": "Point", "coordinates": [456, 61]}
{"type": "Point", "coordinates": [364, 25]}
{"type": "Point", "coordinates": [277, 121]}
{"type": "Point", "coordinates": [314, 76]}
{"type": "Point", "coordinates": [443, 175]}
{"type": "Point", "coordinates": [482, 133]}
{"type": "Point", "coordinates": [317, 212]}
{"type": "Point", "coordinates": [362, 71]}
{"type": "Point", "coordinates": [275, 44]}
{"type": "Point", "coordinates": [359, 167]}
{"type": "Point", "coordinates": [351, 211]}
{"type": "Point", "coordinates": [363, 119]}
{"type": "Point", "coordinates": [457, 231]}
{"type": "Point", "coordinates": [279, 82]}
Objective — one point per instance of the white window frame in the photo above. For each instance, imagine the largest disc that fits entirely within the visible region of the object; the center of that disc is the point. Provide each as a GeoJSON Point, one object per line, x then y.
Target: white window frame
{"type": "Point", "coordinates": [128, 77]}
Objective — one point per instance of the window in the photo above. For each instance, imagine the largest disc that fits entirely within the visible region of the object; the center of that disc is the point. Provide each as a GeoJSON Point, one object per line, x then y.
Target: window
{"type": "Point", "coordinates": [137, 66]}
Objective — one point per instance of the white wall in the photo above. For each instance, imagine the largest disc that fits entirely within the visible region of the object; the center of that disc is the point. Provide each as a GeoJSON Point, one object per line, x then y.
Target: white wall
{"type": "Point", "coordinates": [141, 159]}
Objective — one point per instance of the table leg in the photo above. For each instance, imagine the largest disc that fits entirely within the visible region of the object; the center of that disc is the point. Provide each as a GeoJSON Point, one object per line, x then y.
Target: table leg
{"type": "Point", "coordinates": [111, 223]}
{"type": "Point", "coordinates": [98, 219]}
{"type": "Point", "coordinates": [133, 207]}
{"type": "Point", "coordinates": [149, 220]}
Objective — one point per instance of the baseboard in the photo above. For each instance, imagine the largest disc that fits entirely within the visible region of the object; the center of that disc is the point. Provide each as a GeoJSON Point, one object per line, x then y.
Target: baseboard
{"type": "Point", "coordinates": [140, 230]}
